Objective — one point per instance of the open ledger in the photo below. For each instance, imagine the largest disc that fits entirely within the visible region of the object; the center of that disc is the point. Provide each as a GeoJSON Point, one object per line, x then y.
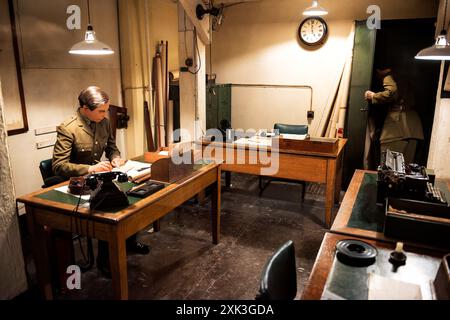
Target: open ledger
{"type": "Point", "coordinates": [135, 169]}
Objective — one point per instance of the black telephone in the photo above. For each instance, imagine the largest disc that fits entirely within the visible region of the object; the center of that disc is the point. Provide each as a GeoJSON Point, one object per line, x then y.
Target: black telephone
{"type": "Point", "coordinates": [107, 195]}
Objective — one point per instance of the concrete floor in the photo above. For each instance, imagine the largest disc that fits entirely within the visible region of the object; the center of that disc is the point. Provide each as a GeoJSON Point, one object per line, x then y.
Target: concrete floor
{"type": "Point", "coordinates": [184, 264]}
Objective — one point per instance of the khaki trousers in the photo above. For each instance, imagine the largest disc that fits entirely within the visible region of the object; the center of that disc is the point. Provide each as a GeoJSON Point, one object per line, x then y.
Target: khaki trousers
{"type": "Point", "coordinates": [407, 147]}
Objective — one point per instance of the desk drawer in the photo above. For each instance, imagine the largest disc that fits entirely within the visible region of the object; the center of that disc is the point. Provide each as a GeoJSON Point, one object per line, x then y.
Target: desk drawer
{"type": "Point", "coordinates": [289, 166]}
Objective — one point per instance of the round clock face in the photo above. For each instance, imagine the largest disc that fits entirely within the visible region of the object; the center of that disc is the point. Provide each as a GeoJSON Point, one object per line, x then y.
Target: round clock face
{"type": "Point", "coordinates": [312, 31]}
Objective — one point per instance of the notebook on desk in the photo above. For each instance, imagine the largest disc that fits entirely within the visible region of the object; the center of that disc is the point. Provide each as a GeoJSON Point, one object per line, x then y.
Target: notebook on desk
{"type": "Point", "coordinates": [135, 169]}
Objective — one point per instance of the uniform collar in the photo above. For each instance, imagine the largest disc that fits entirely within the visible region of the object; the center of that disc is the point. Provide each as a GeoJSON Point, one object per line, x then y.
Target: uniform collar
{"type": "Point", "coordinates": [84, 118]}
{"type": "Point", "coordinates": [86, 123]}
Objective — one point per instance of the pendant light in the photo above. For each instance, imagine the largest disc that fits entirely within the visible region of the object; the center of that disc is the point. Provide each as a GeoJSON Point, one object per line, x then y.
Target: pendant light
{"type": "Point", "coordinates": [441, 49]}
{"type": "Point", "coordinates": [315, 10]}
{"type": "Point", "coordinates": [90, 45]}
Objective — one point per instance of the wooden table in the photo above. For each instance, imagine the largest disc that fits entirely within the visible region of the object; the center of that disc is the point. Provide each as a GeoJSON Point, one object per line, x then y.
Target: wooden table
{"type": "Point", "coordinates": [308, 166]}
{"type": "Point", "coordinates": [325, 257]}
{"type": "Point", "coordinates": [116, 227]}
{"type": "Point", "coordinates": [342, 224]}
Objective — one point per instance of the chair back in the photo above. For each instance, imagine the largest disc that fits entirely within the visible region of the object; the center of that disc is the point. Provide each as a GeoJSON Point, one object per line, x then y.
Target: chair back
{"type": "Point", "coordinates": [291, 128]}
{"type": "Point", "coordinates": [45, 166]}
{"type": "Point", "coordinates": [279, 276]}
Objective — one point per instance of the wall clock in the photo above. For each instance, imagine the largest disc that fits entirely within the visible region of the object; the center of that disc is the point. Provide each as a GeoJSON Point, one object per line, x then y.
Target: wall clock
{"type": "Point", "coordinates": [313, 31]}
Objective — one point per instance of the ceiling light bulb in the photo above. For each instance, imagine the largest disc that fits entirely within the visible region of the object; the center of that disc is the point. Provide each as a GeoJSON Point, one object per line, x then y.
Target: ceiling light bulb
{"type": "Point", "coordinates": [315, 10]}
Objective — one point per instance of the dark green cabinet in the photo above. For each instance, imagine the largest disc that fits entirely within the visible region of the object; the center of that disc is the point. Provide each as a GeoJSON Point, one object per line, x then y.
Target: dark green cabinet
{"type": "Point", "coordinates": [218, 104]}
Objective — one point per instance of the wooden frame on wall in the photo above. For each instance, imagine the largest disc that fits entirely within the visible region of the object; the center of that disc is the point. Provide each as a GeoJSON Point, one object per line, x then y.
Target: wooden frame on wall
{"type": "Point", "coordinates": [11, 74]}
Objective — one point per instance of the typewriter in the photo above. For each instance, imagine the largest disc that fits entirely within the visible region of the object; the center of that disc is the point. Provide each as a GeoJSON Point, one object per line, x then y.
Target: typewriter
{"type": "Point", "coordinates": [408, 181]}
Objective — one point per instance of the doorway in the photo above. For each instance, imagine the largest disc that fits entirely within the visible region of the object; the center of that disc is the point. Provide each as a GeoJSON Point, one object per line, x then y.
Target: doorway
{"type": "Point", "coordinates": [396, 43]}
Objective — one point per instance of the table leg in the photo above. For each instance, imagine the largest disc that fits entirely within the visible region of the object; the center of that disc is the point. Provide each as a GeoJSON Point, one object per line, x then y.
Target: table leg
{"type": "Point", "coordinates": [215, 209]}
{"type": "Point", "coordinates": [227, 180]}
{"type": "Point", "coordinates": [118, 262]}
{"type": "Point", "coordinates": [201, 198]}
{"type": "Point", "coordinates": [40, 253]}
{"type": "Point", "coordinates": [338, 187]}
{"type": "Point", "coordinates": [330, 192]}
{"type": "Point", "coordinates": [157, 226]}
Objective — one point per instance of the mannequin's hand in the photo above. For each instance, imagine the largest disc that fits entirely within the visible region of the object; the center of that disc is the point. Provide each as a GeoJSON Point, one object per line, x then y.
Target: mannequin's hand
{"type": "Point", "coordinates": [369, 95]}
{"type": "Point", "coordinates": [118, 162]}
{"type": "Point", "coordinates": [100, 167]}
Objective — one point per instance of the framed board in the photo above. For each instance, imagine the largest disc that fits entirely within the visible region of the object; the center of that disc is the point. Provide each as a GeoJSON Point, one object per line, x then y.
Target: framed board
{"type": "Point", "coordinates": [10, 71]}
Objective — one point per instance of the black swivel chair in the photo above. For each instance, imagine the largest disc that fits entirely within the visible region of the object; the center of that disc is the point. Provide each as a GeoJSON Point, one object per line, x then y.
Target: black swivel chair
{"type": "Point", "coordinates": [288, 129]}
{"type": "Point", "coordinates": [45, 166]}
{"type": "Point", "coordinates": [279, 276]}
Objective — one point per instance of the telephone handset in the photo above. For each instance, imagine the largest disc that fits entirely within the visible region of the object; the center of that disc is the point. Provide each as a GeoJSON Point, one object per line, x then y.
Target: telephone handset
{"type": "Point", "coordinates": [107, 195]}
{"type": "Point", "coordinates": [106, 177]}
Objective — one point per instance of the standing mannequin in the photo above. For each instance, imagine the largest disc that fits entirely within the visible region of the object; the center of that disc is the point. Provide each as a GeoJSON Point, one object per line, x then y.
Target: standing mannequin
{"type": "Point", "coordinates": [402, 128]}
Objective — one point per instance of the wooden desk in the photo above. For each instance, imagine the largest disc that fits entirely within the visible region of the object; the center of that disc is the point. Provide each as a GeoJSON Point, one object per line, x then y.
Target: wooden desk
{"type": "Point", "coordinates": [344, 224]}
{"type": "Point", "coordinates": [325, 257]}
{"type": "Point", "coordinates": [340, 224]}
{"type": "Point", "coordinates": [116, 227]}
{"type": "Point", "coordinates": [308, 166]}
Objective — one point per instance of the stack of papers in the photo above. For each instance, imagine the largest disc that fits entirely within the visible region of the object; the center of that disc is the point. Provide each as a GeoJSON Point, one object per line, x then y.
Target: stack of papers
{"type": "Point", "coordinates": [254, 141]}
{"type": "Point", "coordinates": [294, 136]}
{"type": "Point", "coordinates": [135, 169]}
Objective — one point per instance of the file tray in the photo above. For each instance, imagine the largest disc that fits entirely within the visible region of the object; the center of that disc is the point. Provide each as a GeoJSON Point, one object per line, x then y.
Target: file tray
{"type": "Point", "coordinates": [311, 144]}
{"type": "Point", "coordinates": [145, 190]}
{"type": "Point", "coordinates": [418, 221]}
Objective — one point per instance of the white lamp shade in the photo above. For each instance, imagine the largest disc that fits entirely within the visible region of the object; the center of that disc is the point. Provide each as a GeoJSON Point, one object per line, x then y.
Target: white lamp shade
{"type": "Point", "coordinates": [439, 51]}
{"type": "Point", "coordinates": [90, 45]}
{"type": "Point", "coordinates": [315, 10]}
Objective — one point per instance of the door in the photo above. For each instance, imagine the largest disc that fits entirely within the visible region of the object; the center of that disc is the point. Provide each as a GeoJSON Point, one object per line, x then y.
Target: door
{"type": "Point", "coordinates": [363, 56]}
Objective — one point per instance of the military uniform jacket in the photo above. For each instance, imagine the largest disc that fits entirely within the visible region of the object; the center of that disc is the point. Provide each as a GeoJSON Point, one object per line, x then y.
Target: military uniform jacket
{"type": "Point", "coordinates": [401, 122]}
{"type": "Point", "coordinates": [80, 143]}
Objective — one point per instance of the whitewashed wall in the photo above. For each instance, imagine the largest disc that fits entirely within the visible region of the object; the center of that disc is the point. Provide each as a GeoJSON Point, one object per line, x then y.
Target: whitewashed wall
{"type": "Point", "coordinates": [258, 44]}
{"type": "Point", "coordinates": [12, 269]}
